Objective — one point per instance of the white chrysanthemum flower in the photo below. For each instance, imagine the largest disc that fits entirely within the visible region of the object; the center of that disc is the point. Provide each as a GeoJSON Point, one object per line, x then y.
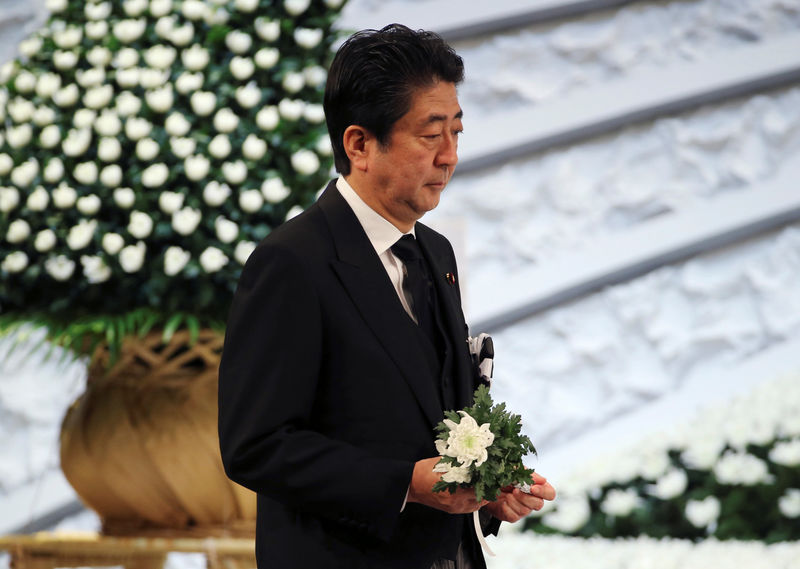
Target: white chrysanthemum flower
{"type": "Point", "coordinates": [44, 116]}
{"type": "Point", "coordinates": [251, 201]}
{"type": "Point", "coordinates": [108, 123]}
{"type": "Point", "coordinates": [126, 57]}
{"type": "Point", "coordinates": [243, 251]}
{"type": "Point", "coordinates": [44, 241]}
{"type": "Point", "coordinates": [6, 164]}
{"type": "Point", "coordinates": [249, 95]}
{"type": "Point", "coordinates": [128, 31]}
{"type": "Point", "coordinates": [274, 190]}
{"type": "Point", "coordinates": [268, 30]}
{"type": "Point", "coordinates": [96, 30]}
{"type": "Point", "coordinates": [175, 259]}
{"type": "Point", "coordinates": [60, 267]}
{"type": "Point", "coordinates": [670, 485]}
{"type": "Point", "coordinates": [99, 56]}
{"type": "Point", "coordinates": [195, 58]}
{"type": "Point", "coordinates": [30, 47]}
{"type": "Point", "coordinates": [186, 220]}
{"type": "Point", "coordinates": [128, 78]}
{"type": "Point", "coordinates": [95, 269]}
{"type": "Point", "coordinates": [124, 197]}
{"type": "Point", "coordinates": [97, 10]}
{"type": "Point", "coordinates": [296, 7]}
{"type": "Point", "coordinates": [220, 146]}
{"type": "Point", "coordinates": [88, 78]}
{"type": "Point", "coordinates": [86, 173]}
{"type": "Point", "coordinates": [291, 109]}
{"type": "Point", "coordinates": [80, 235]}
{"type": "Point", "coordinates": [66, 96]}
{"type": "Point", "coordinates": [134, 8]}
{"type": "Point", "coordinates": [111, 176]}
{"type": "Point", "coordinates": [113, 243]}
{"type": "Point", "coordinates": [137, 128]}
{"type": "Point", "coordinates": [20, 110]}
{"type": "Point", "coordinates": [159, 8]}
{"type": "Point", "coordinates": [196, 167]}
{"type": "Point", "coordinates": [47, 84]}
{"type": "Point", "coordinates": [128, 104]}
{"type": "Point", "coordinates": [68, 37]}
{"type": "Point", "coordinates": [188, 82]}
{"type": "Point", "coordinates": [194, 9]}
{"type": "Point", "coordinates": [268, 118]}
{"type": "Point", "coordinates": [88, 205]}
{"type": "Point", "coordinates": [305, 162]}
{"type": "Point", "coordinates": [131, 257]}
{"type": "Point", "coordinates": [267, 57]}
{"type": "Point", "coordinates": [38, 199]}
{"type": "Point", "coordinates": [177, 124]}
{"type": "Point", "coordinates": [294, 211]}
{"type": "Point", "coordinates": [65, 60]}
{"type": "Point", "coordinates": [170, 202]}
{"type": "Point", "coordinates": [147, 149]}
{"type": "Point", "coordinates": [64, 196]}
{"type": "Point", "coordinates": [182, 147]}
{"type": "Point", "coordinates": [742, 469]}
{"type": "Point", "coordinates": [246, 5]}
{"type": "Point", "coordinates": [215, 194]}
{"type": "Point", "coordinates": [786, 453]}
{"type": "Point", "coordinates": [702, 513]}
{"type": "Point", "coordinates": [160, 56]}
{"type": "Point", "coordinates": [160, 100]}
{"type": "Point", "coordinates": [140, 225]}
{"type": "Point", "coordinates": [54, 171]}
{"type": "Point", "coordinates": [234, 172]}
{"type": "Point", "coordinates": [98, 97]}
{"type": "Point", "coordinates": [15, 262]}
{"type": "Point", "coordinates": [789, 503]}
{"type": "Point", "coordinates": [155, 175]}
{"type": "Point", "coordinates": [19, 136]}
{"type": "Point", "coordinates": [150, 78]}
{"type": "Point", "coordinates": [18, 231]}
{"type": "Point", "coordinates": [307, 38]}
{"type": "Point", "coordinates": [212, 260]}
{"type": "Point", "coordinates": [23, 175]}
{"type": "Point", "coordinates": [242, 68]}
{"type": "Point", "coordinates": [253, 148]}
{"type": "Point", "coordinates": [51, 136]}
{"type": "Point", "coordinates": [238, 41]}
{"type": "Point", "coordinates": [84, 118]}
{"type": "Point", "coordinates": [203, 102]}
{"type": "Point", "coordinates": [182, 35]}
{"type": "Point", "coordinates": [468, 442]}
{"type": "Point", "coordinates": [9, 199]}
{"type": "Point", "coordinates": [25, 81]}
{"type": "Point", "coordinates": [453, 474]}
{"type": "Point", "coordinates": [315, 75]}
{"type": "Point", "coordinates": [227, 230]}
{"type": "Point", "coordinates": [109, 149]}
{"type": "Point", "coordinates": [620, 503]}
{"type": "Point", "coordinates": [225, 120]}
{"type": "Point", "coordinates": [571, 515]}
{"type": "Point", "coordinates": [293, 82]}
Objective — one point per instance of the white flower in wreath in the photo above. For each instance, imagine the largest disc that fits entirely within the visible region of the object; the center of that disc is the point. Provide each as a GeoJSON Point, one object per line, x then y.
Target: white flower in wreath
{"type": "Point", "coordinates": [97, 11]}
{"type": "Point", "coordinates": [44, 241]}
{"type": "Point", "coordinates": [160, 100]}
{"type": "Point", "coordinates": [234, 172]}
{"type": "Point", "coordinates": [296, 7]}
{"type": "Point", "coordinates": [109, 149]}
{"type": "Point", "coordinates": [64, 196]}
{"type": "Point", "coordinates": [238, 41]}
{"type": "Point", "coordinates": [60, 267]}
{"type": "Point", "coordinates": [182, 35]}
{"type": "Point", "coordinates": [111, 176]}
{"type": "Point", "coordinates": [572, 514]}
{"type": "Point", "coordinates": [467, 442]}
{"type": "Point", "coordinates": [66, 96]}
{"type": "Point", "coordinates": [182, 147]}
{"type": "Point", "coordinates": [19, 136]}
{"type": "Point", "coordinates": [170, 202]}
{"type": "Point", "coordinates": [88, 205]}
{"type": "Point", "coordinates": [68, 38]}
{"type": "Point", "coordinates": [253, 148]}
{"type": "Point", "coordinates": [159, 8]}
{"type": "Point", "coordinates": [6, 164]}
{"type": "Point", "coordinates": [324, 146]}
{"type": "Point", "coordinates": [333, 3]}
{"type": "Point", "coordinates": [99, 56]}
{"type": "Point", "coordinates": [108, 123]}
{"type": "Point", "coordinates": [188, 82]}
{"type": "Point", "coordinates": [251, 201]}
{"type": "Point", "coordinates": [51, 136]}
{"type": "Point", "coordinates": [196, 167]}
{"type": "Point", "coordinates": [147, 149]}
{"type": "Point", "coordinates": [620, 503]}
{"type": "Point", "coordinates": [95, 269]}
{"type": "Point", "coordinates": [85, 173]}
{"type": "Point", "coordinates": [137, 128]}
{"type": "Point", "coordinates": [786, 453]}
{"type": "Point", "coordinates": [128, 78]}
{"type": "Point", "coordinates": [48, 84]}
{"type": "Point", "coordinates": [225, 120]}
{"type": "Point", "coordinates": [112, 243]}
{"type": "Point", "coordinates": [18, 231]}
{"type": "Point", "coordinates": [98, 97]}
{"type": "Point", "coordinates": [153, 78]}
{"type": "Point", "coordinates": [215, 194]}
{"type": "Point", "coordinates": [84, 118]}
{"type": "Point", "coordinates": [789, 503]}
{"type": "Point", "coordinates": [291, 109]}
{"type": "Point", "coordinates": [702, 513]}
{"type": "Point", "coordinates": [140, 225]}
{"type": "Point", "coordinates": [741, 469]}
{"type": "Point", "coordinates": [65, 60]}
{"type": "Point", "coordinates": [30, 46]}
{"type": "Point", "coordinates": [96, 30]}
{"type": "Point", "coordinates": [243, 251]}
{"type": "Point", "coordinates": [44, 116]}
{"type": "Point", "coordinates": [226, 229]}
{"type": "Point", "coordinates": [242, 68]}
{"type": "Point", "coordinates": [160, 56]}
{"type": "Point", "coordinates": [15, 262]}
{"type": "Point", "coordinates": [23, 175]}
{"type": "Point", "coordinates": [131, 257]}
{"type": "Point", "coordinates": [20, 110]}
{"type": "Point", "coordinates": [293, 82]}
{"type": "Point", "coordinates": [212, 260]}
{"type": "Point", "coordinates": [175, 259]}
{"type": "Point", "coordinates": [314, 114]}
{"type": "Point", "coordinates": [294, 211]}
{"type": "Point", "coordinates": [452, 473]}
{"type": "Point", "coordinates": [194, 9]}
{"type": "Point", "coordinates": [124, 197]}
{"type": "Point", "coordinates": [267, 57]}
{"type": "Point", "coordinates": [195, 58]}
{"type": "Point", "coordinates": [126, 57]}
{"type": "Point", "coordinates": [25, 82]}
{"type": "Point", "coordinates": [55, 6]}
{"type": "Point", "coordinates": [248, 96]}
{"type": "Point", "coordinates": [79, 236]}
{"type": "Point", "coordinates": [164, 26]}
{"type": "Point", "coordinates": [203, 102]}
{"type": "Point", "coordinates": [92, 77]}
{"type": "Point", "coordinates": [315, 75]}
{"type": "Point", "coordinates": [37, 200]}
{"type": "Point", "coordinates": [54, 171]}
{"type": "Point", "coordinates": [220, 146]}
{"type": "Point", "coordinates": [128, 104]}
{"type": "Point", "coordinates": [186, 220]}
{"type": "Point", "coordinates": [274, 190]}
{"type": "Point", "coordinates": [305, 162]}
{"type": "Point", "coordinates": [9, 199]}
{"type": "Point", "coordinates": [307, 38]}
{"type": "Point", "coordinates": [177, 125]}
{"type": "Point", "coordinates": [77, 141]}
{"type": "Point", "coordinates": [268, 30]}
{"type": "Point", "coordinates": [246, 5]}
{"type": "Point", "coordinates": [268, 118]}
{"type": "Point", "coordinates": [134, 8]}
{"type": "Point", "coordinates": [128, 31]}
{"type": "Point", "coordinates": [155, 175]}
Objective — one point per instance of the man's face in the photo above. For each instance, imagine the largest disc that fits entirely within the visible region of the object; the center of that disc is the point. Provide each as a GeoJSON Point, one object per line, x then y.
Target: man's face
{"type": "Point", "coordinates": [407, 176]}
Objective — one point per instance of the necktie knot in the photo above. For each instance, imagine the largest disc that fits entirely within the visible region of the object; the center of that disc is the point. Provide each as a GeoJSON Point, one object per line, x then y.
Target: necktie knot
{"type": "Point", "coordinates": [407, 249]}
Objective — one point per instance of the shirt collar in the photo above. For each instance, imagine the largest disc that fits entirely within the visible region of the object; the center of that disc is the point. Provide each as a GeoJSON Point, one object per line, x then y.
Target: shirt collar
{"type": "Point", "coordinates": [380, 232]}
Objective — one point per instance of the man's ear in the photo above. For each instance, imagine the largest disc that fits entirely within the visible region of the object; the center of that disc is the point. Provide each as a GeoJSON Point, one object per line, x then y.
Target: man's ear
{"type": "Point", "coordinates": [357, 145]}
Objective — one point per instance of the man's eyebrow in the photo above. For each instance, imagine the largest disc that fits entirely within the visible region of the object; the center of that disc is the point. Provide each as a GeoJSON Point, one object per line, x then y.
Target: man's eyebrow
{"type": "Point", "coordinates": [432, 118]}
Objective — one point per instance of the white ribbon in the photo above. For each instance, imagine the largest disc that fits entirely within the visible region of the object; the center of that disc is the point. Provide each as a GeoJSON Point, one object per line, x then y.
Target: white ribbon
{"type": "Point", "coordinates": [479, 532]}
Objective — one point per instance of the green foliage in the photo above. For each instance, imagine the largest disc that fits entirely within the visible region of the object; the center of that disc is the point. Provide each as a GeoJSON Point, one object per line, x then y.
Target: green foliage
{"type": "Point", "coordinates": [504, 467]}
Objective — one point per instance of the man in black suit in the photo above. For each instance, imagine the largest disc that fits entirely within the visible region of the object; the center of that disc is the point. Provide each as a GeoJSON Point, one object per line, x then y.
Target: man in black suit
{"type": "Point", "coordinates": [345, 343]}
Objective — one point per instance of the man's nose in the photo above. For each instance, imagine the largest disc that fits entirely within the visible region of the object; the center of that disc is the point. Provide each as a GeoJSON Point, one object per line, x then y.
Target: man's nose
{"type": "Point", "coordinates": [448, 151]}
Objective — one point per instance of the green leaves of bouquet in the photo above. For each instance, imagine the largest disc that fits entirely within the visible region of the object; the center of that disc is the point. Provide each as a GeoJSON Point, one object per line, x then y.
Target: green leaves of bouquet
{"type": "Point", "coordinates": [146, 146]}
{"type": "Point", "coordinates": [482, 447]}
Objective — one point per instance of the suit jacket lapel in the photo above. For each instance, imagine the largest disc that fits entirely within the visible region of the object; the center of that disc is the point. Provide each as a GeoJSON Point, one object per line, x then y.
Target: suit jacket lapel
{"type": "Point", "coordinates": [442, 264]}
{"type": "Point", "coordinates": [365, 280]}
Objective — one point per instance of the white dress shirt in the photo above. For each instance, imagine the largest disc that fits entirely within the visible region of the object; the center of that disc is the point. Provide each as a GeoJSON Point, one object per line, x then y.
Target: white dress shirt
{"type": "Point", "coordinates": [382, 235]}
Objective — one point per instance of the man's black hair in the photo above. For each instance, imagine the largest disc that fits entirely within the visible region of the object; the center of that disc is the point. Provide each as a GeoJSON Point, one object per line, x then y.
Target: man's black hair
{"type": "Point", "coordinates": [374, 76]}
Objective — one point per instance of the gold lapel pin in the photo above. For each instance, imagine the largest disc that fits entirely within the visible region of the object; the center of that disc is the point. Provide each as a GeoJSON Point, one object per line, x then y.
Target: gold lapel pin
{"type": "Point", "coordinates": [451, 278]}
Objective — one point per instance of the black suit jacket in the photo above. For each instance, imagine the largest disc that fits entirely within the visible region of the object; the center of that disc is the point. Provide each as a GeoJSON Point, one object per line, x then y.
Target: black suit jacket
{"type": "Point", "coordinates": [326, 398]}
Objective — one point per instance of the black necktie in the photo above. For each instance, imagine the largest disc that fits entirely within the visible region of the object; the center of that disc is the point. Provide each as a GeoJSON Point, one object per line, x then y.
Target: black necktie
{"type": "Point", "coordinates": [417, 281]}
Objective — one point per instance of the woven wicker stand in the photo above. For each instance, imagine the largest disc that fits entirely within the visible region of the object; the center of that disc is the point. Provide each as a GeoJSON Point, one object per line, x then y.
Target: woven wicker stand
{"type": "Point", "coordinates": [140, 446]}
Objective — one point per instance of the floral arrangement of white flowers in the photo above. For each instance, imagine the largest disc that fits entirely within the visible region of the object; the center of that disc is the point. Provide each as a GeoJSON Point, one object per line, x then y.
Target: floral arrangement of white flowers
{"type": "Point", "coordinates": [146, 146]}
{"type": "Point", "coordinates": [482, 447]}
{"type": "Point", "coordinates": [732, 473]}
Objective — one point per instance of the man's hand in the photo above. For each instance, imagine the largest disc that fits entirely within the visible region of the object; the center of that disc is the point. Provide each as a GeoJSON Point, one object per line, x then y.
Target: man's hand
{"type": "Point", "coordinates": [420, 490]}
{"type": "Point", "coordinates": [514, 505]}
